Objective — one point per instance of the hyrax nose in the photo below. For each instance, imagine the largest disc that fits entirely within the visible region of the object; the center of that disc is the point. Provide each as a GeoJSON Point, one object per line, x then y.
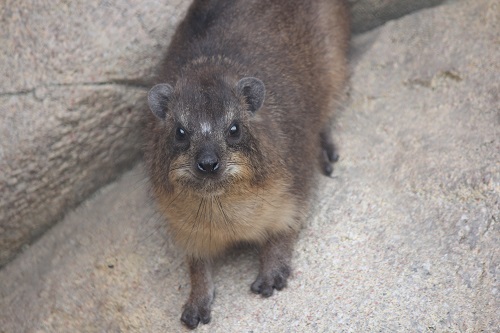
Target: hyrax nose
{"type": "Point", "coordinates": [208, 162]}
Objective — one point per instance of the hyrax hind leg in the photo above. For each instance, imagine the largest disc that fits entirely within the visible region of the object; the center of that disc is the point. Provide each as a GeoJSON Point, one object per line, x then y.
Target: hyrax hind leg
{"type": "Point", "coordinates": [328, 152]}
{"type": "Point", "coordinates": [275, 259]}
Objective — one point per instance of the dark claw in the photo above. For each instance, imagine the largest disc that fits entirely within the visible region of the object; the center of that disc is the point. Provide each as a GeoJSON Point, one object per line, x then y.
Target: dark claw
{"type": "Point", "coordinates": [190, 319]}
{"type": "Point", "coordinates": [267, 291]}
{"type": "Point", "coordinates": [329, 155]}
{"type": "Point", "coordinates": [262, 288]}
{"type": "Point", "coordinates": [333, 157]}
{"type": "Point", "coordinates": [265, 285]}
{"type": "Point", "coordinates": [191, 316]}
{"type": "Point", "coordinates": [279, 282]}
{"type": "Point", "coordinates": [327, 168]}
{"type": "Point", "coordinates": [256, 285]}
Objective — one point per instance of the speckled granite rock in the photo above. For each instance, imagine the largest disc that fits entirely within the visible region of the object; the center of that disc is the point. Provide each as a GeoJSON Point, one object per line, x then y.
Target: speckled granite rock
{"type": "Point", "coordinates": [404, 238]}
{"type": "Point", "coordinates": [70, 97]}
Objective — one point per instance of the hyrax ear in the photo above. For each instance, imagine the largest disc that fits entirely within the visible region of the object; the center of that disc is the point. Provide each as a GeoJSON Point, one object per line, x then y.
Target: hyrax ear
{"type": "Point", "coordinates": [158, 98]}
{"type": "Point", "coordinates": [253, 90]}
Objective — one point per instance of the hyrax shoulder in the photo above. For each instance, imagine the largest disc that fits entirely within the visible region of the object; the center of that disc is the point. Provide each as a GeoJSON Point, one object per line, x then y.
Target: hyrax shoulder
{"type": "Point", "coordinates": [239, 128]}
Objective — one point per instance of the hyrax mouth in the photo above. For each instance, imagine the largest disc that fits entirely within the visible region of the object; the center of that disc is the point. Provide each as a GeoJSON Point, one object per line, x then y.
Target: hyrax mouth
{"type": "Point", "coordinates": [208, 174]}
{"type": "Point", "coordinates": [204, 175]}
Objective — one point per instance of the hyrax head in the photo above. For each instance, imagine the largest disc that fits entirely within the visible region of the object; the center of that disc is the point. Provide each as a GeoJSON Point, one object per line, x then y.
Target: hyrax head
{"type": "Point", "coordinates": [205, 131]}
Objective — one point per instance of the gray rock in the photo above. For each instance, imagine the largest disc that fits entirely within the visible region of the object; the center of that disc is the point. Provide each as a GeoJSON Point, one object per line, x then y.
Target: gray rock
{"type": "Point", "coordinates": [70, 101]}
{"type": "Point", "coordinates": [404, 238]}
{"type": "Point", "coordinates": [368, 14]}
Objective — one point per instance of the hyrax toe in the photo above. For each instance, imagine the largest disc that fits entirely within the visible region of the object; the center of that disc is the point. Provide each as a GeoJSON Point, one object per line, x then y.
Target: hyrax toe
{"type": "Point", "coordinates": [192, 315]}
{"type": "Point", "coordinates": [265, 284]}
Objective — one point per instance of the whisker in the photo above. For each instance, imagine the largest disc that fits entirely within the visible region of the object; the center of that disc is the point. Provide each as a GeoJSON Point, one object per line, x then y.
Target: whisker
{"type": "Point", "coordinates": [257, 195]}
{"type": "Point", "coordinates": [225, 218]}
{"type": "Point", "coordinates": [154, 217]}
{"type": "Point", "coordinates": [175, 198]}
{"type": "Point", "coordinates": [210, 225]}
{"type": "Point", "coordinates": [180, 167]}
{"type": "Point", "coordinates": [236, 163]}
{"type": "Point", "coordinates": [200, 223]}
{"type": "Point", "coordinates": [176, 233]}
{"type": "Point", "coordinates": [195, 222]}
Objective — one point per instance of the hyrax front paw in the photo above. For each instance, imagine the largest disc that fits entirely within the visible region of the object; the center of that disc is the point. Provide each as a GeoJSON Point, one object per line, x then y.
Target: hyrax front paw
{"type": "Point", "coordinates": [266, 282]}
{"type": "Point", "coordinates": [194, 313]}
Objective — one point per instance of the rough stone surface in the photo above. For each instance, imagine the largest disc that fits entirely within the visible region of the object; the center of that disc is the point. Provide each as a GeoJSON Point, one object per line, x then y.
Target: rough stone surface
{"type": "Point", "coordinates": [69, 102]}
{"type": "Point", "coordinates": [404, 238]}
{"type": "Point", "coordinates": [368, 14]}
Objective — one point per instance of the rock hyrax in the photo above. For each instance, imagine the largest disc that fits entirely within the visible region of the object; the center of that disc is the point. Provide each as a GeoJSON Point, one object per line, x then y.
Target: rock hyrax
{"type": "Point", "coordinates": [239, 131]}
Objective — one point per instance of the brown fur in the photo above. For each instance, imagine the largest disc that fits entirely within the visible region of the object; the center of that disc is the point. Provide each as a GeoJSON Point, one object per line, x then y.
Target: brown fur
{"type": "Point", "coordinates": [206, 226]}
{"type": "Point", "coordinates": [261, 191]}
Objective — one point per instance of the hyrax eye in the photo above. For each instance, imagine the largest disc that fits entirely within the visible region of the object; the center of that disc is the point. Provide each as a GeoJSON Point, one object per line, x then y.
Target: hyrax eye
{"type": "Point", "coordinates": [180, 134]}
{"type": "Point", "coordinates": [234, 130]}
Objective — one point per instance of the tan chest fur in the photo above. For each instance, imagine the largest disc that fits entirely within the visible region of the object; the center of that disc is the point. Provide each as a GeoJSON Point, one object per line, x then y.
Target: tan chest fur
{"type": "Point", "coordinates": [207, 225]}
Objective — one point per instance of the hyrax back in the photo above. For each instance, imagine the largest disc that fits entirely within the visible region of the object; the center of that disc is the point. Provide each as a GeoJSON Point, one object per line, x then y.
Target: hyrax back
{"type": "Point", "coordinates": [240, 128]}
